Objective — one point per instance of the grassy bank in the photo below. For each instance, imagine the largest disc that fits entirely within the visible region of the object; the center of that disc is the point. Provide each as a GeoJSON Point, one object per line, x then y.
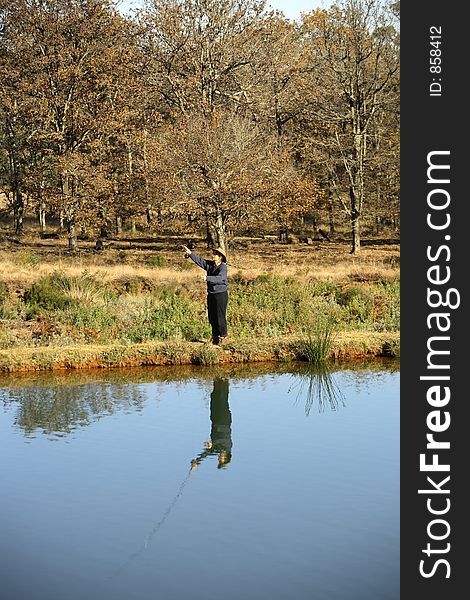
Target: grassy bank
{"type": "Point", "coordinates": [346, 345]}
{"type": "Point", "coordinates": [91, 310]}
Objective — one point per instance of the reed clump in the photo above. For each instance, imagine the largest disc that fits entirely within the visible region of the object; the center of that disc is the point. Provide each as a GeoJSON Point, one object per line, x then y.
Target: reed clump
{"type": "Point", "coordinates": [315, 347]}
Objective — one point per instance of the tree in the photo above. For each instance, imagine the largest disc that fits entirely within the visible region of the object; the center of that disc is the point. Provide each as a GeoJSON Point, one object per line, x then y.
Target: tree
{"type": "Point", "coordinates": [292, 197]}
{"type": "Point", "coordinates": [71, 56]}
{"type": "Point", "coordinates": [355, 57]}
{"type": "Point", "coordinates": [18, 109]}
{"type": "Point", "coordinates": [199, 52]}
{"type": "Point", "coordinates": [206, 113]}
{"type": "Point", "coordinates": [227, 172]}
{"type": "Point", "coordinates": [278, 79]}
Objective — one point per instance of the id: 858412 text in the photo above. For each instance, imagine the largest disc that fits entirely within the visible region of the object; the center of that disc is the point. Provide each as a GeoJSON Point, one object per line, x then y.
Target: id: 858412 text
{"type": "Point", "coordinates": [435, 60]}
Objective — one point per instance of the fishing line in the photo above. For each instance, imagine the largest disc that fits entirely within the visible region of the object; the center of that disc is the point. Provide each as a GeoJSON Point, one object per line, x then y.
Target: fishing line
{"type": "Point", "coordinates": [156, 527]}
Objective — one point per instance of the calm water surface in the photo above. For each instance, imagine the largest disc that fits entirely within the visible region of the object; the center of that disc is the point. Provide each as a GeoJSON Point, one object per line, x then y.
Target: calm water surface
{"type": "Point", "coordinates": [165, 484]}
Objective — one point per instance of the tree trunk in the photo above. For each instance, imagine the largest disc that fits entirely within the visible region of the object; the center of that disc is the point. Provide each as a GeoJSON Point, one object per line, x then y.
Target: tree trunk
{"type": "Point", "coordinates": [42, 216]}
{"type": "Point", "coordinates": [283, 233]}
{"type": "Point", "coordinates": [15, 174]}
{"type": "Point", "coordinates": [209, 237]}
{"type": "Point", "coordinates": [72, 234]}
{"type": "Point", "coordinates": [355, 230]}
{"type": "Point", "coordinates": [220, 231]}
{"type": "Point", "coordinates": [118, 225]}
{"type": "Point", "coordinates": [146, 181]}
{"type": "Point", "coordinates": [18, 211]}
{"type": "Point", "coordinates": [68, 212]}
{"type": "Point", "coordinates": [149, 216]}
{"type": "Point", "coordinates": [330, 211]}
{"type": "Point", "coordinates": [103, 222]}
{"type": "Point", "coordinates": [356, 236]}
{"type": "Point", "coordinates": [355, 198]}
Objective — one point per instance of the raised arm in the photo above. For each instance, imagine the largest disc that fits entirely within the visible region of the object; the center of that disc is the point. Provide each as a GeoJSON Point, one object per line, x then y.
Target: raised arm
{"type": "Point", "coordinates": [188, 253]}
{"type": "Point", "coordinates": [199, 261]}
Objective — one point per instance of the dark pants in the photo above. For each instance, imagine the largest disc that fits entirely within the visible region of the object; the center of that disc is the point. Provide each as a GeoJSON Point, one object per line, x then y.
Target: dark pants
{"type": "Point", "coordinates": [217, 313]}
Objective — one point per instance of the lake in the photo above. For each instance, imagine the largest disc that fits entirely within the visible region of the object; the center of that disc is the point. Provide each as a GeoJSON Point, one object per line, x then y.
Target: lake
{"type": "Point", "coordinates": [272, 482]}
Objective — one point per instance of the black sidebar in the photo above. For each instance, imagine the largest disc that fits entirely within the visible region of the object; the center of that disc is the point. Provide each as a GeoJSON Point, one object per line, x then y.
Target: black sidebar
{"type": "Point", "coordinates": [434, 272]}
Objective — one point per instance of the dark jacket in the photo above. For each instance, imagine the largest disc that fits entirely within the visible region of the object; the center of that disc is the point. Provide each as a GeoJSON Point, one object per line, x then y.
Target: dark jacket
{"type": "Point", "coordinates": [216, 276]}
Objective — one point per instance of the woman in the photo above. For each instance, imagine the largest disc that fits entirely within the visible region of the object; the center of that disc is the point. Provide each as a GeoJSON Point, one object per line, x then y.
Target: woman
{"type": "Point", "coordinates": [217, 290]}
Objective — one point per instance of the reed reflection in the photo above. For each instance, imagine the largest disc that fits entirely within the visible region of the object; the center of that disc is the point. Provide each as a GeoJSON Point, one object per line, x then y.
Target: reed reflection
{"type": "Point", "coordinates": [220, 442]}
{"type": "Point", "coordinates": [320, 389]}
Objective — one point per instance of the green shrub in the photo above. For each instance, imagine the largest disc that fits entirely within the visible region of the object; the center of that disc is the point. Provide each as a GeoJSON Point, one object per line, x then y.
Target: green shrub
{"type": "Point", "coordinates": [358, 303]}
{"type": "Point", "coordinates": [95, 316]}
{"type": "Point", "coordinates": [156, 260]}
{"type": "Point", "coordinates": [352, 295]}
{"type": "Point", "coordinates": [135, 284]}
{"type": "Point", "coordinates": [85, 288]}
{"type": "Point", "coordinates": [137, 309]}
{"type": "Point", "coordinates": [48, 293]}
{"type": "Point", "coordinates": [27, 258]}
{"type": "Point", "coordinates": [206, 356]}
{"type": "Point", "coordinates": [171, 317]}
{"type": "Point", "coordinates": [57, 291]}
{"type": "Point", "coordinates": [272, 306]}
{"type": "Point", "coordinates": [5, 305]}
{"type": "Point", "coordinates": [4, 293]}
{"type": "Point", "coordinates": [263, 278]}
{"type": "Point", "coordinates": [185, 265]}
{"type": "Point", "coordinates": [238, 278]}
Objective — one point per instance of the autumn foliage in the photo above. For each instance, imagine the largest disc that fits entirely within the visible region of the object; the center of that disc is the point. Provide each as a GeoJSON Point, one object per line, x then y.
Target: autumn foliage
{"type": "Point", "coordinates": [208, 116]}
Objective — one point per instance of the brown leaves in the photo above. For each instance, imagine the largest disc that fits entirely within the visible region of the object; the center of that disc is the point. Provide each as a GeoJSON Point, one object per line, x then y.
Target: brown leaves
{"type": "Point", "coordinates": [197, 110]}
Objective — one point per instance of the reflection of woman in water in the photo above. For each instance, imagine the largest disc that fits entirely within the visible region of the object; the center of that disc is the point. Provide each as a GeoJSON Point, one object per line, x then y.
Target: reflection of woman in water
{"type": "Point", "coordinates": [221, 430]}
{"type": "Point", "coordinates": [220, 443]}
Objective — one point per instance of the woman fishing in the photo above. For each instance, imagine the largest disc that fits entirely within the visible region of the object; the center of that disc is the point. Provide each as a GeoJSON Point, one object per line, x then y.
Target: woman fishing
{"type": "Point", "coordinates": [217, 290]}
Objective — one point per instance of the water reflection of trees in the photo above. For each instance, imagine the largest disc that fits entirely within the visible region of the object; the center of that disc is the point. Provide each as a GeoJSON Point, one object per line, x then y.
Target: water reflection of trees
{"type": "Point", "coordinates": [364, 381]}
{"type": "Point", "coordinates": [62, 409]}
{"type": "Point", "coordinates": [59, 403]}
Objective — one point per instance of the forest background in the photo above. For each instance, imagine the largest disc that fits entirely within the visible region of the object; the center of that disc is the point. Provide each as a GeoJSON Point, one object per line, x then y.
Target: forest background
{"type": "Point", "coordinates": [214, 120]}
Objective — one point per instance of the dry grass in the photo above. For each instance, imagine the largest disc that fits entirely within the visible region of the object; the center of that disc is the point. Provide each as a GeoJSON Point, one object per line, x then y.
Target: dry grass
{"type": "Point", "coordinates": [24, 276]}
{"type": "Point", "coordinates": [23, 264]}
